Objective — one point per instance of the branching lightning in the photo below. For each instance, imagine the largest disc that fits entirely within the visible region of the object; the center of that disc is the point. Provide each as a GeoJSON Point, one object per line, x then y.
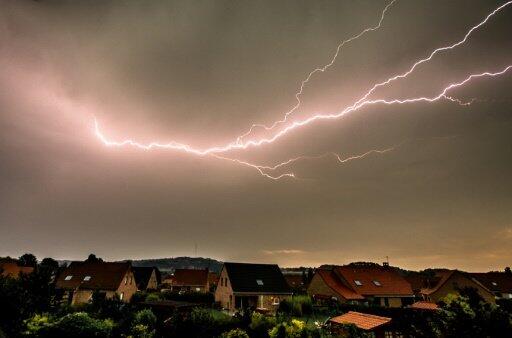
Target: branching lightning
{"type": "Point", "coordinates": [318, 70]}
{"type": "Point", "coordinates": [241, 144]}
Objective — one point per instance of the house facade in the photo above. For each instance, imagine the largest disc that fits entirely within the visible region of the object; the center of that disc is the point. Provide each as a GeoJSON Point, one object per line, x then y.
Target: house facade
{"type": "Point", "coordinates": [10, 268]}
{"type": "Point", "coordinates": [189, 280]}
{"type": "Point", "coordinates": [146, 278]}
{"type": "Point", "coordinates": [256, 286]}
{"type": "Point", "coordinates": [451, 282]}
{"type": "Point", "coordinates": [80, 280]}
{"type": "Point", "coordinates": [362, 283]}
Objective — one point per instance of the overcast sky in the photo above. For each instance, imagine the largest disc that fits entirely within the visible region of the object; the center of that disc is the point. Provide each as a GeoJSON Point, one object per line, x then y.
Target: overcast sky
{"type": "Point", "coordinates": [201, 73]}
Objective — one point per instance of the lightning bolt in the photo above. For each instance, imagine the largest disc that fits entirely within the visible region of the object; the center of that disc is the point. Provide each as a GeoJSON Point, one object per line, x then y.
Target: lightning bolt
{"type": "Point", "coordinates": [318, 70]}
{"type": "Point", "coordinates": [239, 144]}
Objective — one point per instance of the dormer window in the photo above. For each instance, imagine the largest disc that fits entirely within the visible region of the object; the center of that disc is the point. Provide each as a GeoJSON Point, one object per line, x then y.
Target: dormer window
{"type": "Point", "coordinates": [259, 282]}
{"type": "Point", "coordinates": [377, 283]}
{"type": "Point", "coordinates": [68, 277]}
{"type": "Point", "coordinates": [87, 278]}
{"type": "Point", "coordinates": [358, 282]}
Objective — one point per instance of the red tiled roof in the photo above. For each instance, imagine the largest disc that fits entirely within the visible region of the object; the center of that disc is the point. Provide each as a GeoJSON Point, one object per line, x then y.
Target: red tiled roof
{"type": "Point", "coordinates": [422, 305]}
{"type": "Point", "coordinates": [361, 320]}
{"type": "Point", "coordinates": [375, 280]}
{"type": "Point", "coordinates": [11, 269]}
{"type": "Point", "coordinates": [190, 277]}
{"type": "Point", "coordinates": [103, 275]}
{"type": "Point", "coordinates": [336, 285]}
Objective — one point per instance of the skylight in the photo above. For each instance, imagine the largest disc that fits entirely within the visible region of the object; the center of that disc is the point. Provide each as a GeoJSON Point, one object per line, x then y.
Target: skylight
{"type": "Point", "coordinates": [68, 277]}
{"type": "Point", "coordinates": [87, 278]}
{"type": "Point", "coordinates": [358, 282]}
{"type": "Point", "coordinates": [259, 282]}
{"type": "Point", "coordinates": [376, 282]}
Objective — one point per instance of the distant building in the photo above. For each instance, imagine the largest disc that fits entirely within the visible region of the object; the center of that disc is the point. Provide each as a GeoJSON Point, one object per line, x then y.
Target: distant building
{"type": "Point", "coordinates": [9, 268]}
{"type": "Point", "coordinates": [189, 280]}
{"type": "Point", "coordinates": [80, 280]}
{"type": "Point", "coordinates": [447, 282]}
{"type": "Point", "coordinates": [499, 283]}
{"type": "Point", "coordinates": [362, 283]}
{"type": "Point", "coordinates": [256, 286]}
{"type": "Point", "coordinates": [376, 326]}
{"type": "Point", "coordinates": [296, 281]}
{"type": "Point", "coordinates": [146, 277]}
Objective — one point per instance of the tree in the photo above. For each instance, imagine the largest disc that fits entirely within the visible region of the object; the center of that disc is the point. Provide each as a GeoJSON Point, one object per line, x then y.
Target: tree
{"type": "Point", "coordinates": [28, 259]}
{"type": "Point", "coordinates": [235, 333]}
{"type": "Point", "coordinates": [50, 263]}
{"type": "Point", "coordinates": [93, 258]}
{"type": "Point", "coordinates": [507, 270]}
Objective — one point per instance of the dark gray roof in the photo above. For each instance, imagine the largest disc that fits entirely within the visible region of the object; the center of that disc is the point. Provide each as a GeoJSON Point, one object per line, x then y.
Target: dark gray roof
{"type": "Point", "coordinates": [256, 278]}
{"type": "Point", "coordinates": [142, 275]}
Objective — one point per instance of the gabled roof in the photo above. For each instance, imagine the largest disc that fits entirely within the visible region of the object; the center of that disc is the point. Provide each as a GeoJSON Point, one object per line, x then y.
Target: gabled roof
{"type": "Point", "coordinates": [363, 321]}
{"type": "Point", "coordinates": [190, 277]}
{"type": "Point", "coordinates": [442, 277]}
{"type": "Point", "coordinates": [500, 282]}
{"type": "Point", "coordinates": [142, 275]}
{"type": "Point", "coordinates": [334, 282]}
{"type": "Point", "coordinates": [256, 278]}
{"type": "Point", "coordinates": [423, 305]}
{"type": "Point", "coordinates": [12, 269]}
{"type": "Point", "coordinates": [369, 280]}
{"type": "Point", "coordinates": [103, 275]}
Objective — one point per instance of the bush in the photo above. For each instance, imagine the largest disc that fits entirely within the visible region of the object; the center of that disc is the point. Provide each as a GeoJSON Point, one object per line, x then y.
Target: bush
{"type": "Point", "coordinates": [146, 318]}
{"type": "Point", "coordinates": [260, 325]}
{"type": "Point", "coordinates": [296, 306]}
{"type": "Point", "coordinates": [78, 325]}
{"type": "Point", "coordinates": [236, 333]}
{"type": "Point", "coordinates": [294, 329]}
{"type": "Point", "coordinates": [152, 297]}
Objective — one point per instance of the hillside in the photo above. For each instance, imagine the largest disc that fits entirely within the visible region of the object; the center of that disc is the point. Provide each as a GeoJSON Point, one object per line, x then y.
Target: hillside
{"type": "Point", "coordinates": [169, 264]}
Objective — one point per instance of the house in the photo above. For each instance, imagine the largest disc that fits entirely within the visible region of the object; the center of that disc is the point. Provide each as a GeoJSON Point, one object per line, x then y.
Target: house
{"type": "Point", "coordinates": [499, 283]}
{"type": "Point", "coordinates": [80, 280]}
{"type": "Point", "coordinates": [10, 268]}
{"type": "Point", "coordinates": [361, 283]}
{"type": "Point", "coordinates": [189, 280]}
{"type": "Point", "coordinates": [424, 306]}
{"type": "Point", "coordinates": [447, 282]}
{"type": "Point", "coordinates": [296, 281]}
{"type": "Point", "coordinates": [376, 326]}
{"type": "Point", "coordinates": [146, 277]}
{"type": "Point", "coordinates": [213, 279]}
{"type": "Point", "coordinates": [257, 286]}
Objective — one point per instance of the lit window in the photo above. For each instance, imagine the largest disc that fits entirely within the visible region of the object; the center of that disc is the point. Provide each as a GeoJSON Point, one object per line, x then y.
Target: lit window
{"type": "Point", "coordinates": [259, 282]}
{"type": "Point", "coordinates": [68, 277]}
{"type": "Point", "coordinates": [376, 282]}
{"type": "Point", "coordinates": [87, 278]}
{"type": "Point", "coordinates": [358, 282]}
{"type": "Point", "coordinates": [198, 289]}
{"type": "Point", "coordinates": [121, 295]}
{"type": "Point", "coordinates": [494, 284]}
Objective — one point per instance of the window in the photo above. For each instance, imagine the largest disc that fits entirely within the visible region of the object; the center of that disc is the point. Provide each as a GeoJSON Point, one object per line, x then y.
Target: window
{"type": "Point", "coordinates": [358, 282]}
{"type": "Point", "coordinates": [125, 280]}
{"type": "Point", "coordinates": [121, 296]}
{"type": "Point", "coordinates": [68, 277]}
{"type": "Point", "coordinates": [275, 301]}
{"type": "Point", "coordinates": [87, 278]}
{"type": "Point", "coordinates": [198, 289]}
{"type": "Point", "coordinates": [377, 283]}
{"type": "Point", "coordinates": [259, 282]}
{"type": "Point", "coordinates": [494, 284]}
